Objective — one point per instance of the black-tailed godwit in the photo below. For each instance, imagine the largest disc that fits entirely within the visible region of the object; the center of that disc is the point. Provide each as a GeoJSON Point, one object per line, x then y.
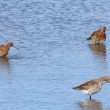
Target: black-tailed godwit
{"type": "Point", "coordinates": [98, 36]}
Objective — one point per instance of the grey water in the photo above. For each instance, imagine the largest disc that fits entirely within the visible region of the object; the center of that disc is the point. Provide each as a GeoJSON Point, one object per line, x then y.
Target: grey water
{"type": "Point", "coordinates": [54, 55]}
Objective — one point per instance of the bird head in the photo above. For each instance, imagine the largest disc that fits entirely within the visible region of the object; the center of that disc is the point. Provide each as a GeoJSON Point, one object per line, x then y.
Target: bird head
{"type": "Point", "coordinates": [10, 44]}
{"type": "Point", "coordinates": [104, 29]}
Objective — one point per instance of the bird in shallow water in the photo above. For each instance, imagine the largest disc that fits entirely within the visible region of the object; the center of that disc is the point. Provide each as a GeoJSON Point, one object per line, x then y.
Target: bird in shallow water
{"type": "Point", "coordinates": [98, 36]}
{"type": "Point", "coordinates": [4, 49]}
{"type": "Point", "coordinates": [92, 86]}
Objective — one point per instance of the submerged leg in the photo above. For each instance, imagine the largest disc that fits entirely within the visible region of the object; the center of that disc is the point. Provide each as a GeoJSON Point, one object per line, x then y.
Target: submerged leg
{"type": "Point", "coordinates": [90, 97]}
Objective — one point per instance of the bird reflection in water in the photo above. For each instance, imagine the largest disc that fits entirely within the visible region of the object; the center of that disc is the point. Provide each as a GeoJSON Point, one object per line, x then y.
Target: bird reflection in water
{"type": "Point", "coordinates": [4, 65]}
{"type": "Point", "coordinates": [99, 50]}
{"type": "Point", "coordinates": [90, 105]}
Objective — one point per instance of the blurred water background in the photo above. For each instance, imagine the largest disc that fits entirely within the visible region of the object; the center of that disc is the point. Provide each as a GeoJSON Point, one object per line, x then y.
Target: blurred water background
{"type": "Point", "coordinates": [54, 55]}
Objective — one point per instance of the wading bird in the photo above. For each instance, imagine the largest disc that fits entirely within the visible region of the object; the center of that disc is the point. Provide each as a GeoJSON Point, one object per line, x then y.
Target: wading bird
{"type": "Point", "coordinates": [98, 36]}
{"type": "Point", "coordinates": [4, 49]}
{"type": "Point", "coordinates": [92, 86]}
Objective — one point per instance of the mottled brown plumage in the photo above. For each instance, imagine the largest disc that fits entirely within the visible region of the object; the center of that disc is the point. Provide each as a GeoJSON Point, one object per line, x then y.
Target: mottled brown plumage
{"type": "Point", "coordinates": [92, 86]}
{"type": "Point", "coordinates": [98, 36]}
{"type": "Point", "coordinates": [4, 49]}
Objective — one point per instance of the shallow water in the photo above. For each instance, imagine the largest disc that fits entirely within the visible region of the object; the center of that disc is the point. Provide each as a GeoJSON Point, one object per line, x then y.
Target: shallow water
{"type": "Point", "coordinates": [54, 55]}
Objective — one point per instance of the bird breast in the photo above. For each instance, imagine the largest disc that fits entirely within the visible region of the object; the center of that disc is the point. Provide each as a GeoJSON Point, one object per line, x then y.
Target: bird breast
{"type": "Point", "coordinates": [85, 91]}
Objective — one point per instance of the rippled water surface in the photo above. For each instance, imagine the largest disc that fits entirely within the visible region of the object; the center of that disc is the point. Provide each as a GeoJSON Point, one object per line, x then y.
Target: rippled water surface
{"type": "Point", "coordinates": [54, 55]}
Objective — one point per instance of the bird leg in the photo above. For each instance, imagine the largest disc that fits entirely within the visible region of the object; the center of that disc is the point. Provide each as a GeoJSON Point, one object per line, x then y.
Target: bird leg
{"type": "Point", "coordinates": [90, 97]}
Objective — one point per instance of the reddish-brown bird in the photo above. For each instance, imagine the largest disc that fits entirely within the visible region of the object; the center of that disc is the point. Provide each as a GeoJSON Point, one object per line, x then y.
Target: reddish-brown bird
{"type": "Point", "coordinates": [4, 49]}
{"type": "Point", "coordinates": [98, 36]}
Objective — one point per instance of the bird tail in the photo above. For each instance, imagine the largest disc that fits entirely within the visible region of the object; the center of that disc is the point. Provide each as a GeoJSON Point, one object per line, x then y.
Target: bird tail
{"type": "Point", "coordinates": [88, 38]}
{"type": "Point", "coordinates": [76, 88]}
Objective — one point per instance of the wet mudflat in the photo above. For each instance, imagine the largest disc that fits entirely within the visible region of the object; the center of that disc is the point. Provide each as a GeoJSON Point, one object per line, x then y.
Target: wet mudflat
{"type": "Point", "coordinates": [54, 55]}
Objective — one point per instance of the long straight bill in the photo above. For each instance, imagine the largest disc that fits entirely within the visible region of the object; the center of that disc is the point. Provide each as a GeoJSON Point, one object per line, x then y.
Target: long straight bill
{"type": "Point", "coordinates": [16, 48]}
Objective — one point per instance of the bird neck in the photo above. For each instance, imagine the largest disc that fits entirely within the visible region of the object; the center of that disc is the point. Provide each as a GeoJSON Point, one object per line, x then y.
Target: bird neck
{"type": "Point", "coordinates": [6, 49]}
{"type": "Point", "coordinates": [104, 80]}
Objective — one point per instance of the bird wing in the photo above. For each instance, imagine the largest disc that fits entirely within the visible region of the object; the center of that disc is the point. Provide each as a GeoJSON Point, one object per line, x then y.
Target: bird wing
{"type": "Point", "coordinates": [94, 34]}
{"type": "Point", "coordinates": [86, 85]}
